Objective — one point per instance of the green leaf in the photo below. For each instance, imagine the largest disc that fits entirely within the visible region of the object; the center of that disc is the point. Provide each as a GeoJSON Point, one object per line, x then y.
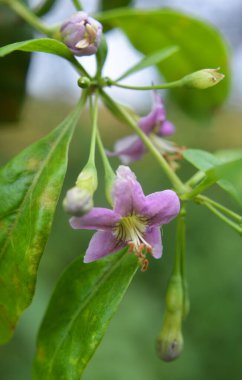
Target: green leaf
{"type": "Point", "coordinates": [30, 187]}
{"type": "Point", "coordinates": [105, 5]}
{"type": "Point", "coordinates": [13, 68]}
{"type": "Point", "coordinates": [201, 46]}
{"type": "Point", "coordinates": [83, 303]}
{"type": "Point", "coordinates": [150, 60]}
{"type": "Point", "coordinates": [44, 45]}
{"type": "Point", "coordinates": [201, 159]}
{"type": "Point", "coordinates": [224, 168]}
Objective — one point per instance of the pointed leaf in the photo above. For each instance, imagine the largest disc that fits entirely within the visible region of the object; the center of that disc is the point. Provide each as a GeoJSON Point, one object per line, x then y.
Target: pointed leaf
{"type": "Point", "coordinates": [201, 46]}
{"type": "Point", "coordinates": [30, 187]}
{"type": "Point", "coordinates": [44, 45]}
{"type": "Point", "coordinates": [224, 168]}
{"type": "Point", "coordinates": [150, 60]}
{"type": "Point", "coordinates": [84, 301]}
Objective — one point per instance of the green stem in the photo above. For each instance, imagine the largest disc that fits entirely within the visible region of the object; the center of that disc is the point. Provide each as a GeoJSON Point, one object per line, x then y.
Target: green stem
{"type": "Point", "coordinates": [178, 83]}
{"type": "Point", "coordinates": [197, 177]}
{"type": "Point", "coordinates": [94, 113]}
{"type": "Point", "coordinates": [109, 174]}
{"type": "Point", "coordinates": [202, 199]}
{"type": "Point", "coordinates": [77, 5]}
{"type": "Point", "coordinates": [202, 186]}
{"type": "Point", "coordinates": [121, 111]}
{"type": "Point", "coordinates": [106, 164]}
{"type": "Point", "coordinates": [186, 301]}
{"type": "Point", "coordinates": [177, 264]}
{"type": "Point", "coordinates": [223, 218]}
{"type": "Point", "coordinates": [30, 17]}
{"type": "Point", "coordinates": [44, 7]}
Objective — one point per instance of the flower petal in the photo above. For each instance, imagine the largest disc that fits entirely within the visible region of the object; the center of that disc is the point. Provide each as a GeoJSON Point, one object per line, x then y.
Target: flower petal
{"type": "Point", "coordinates": [153, 237]}
{"type": "Point", "coordinates": [96, 219]}
{"type": "Point", "coordinates": [102, 243]}
{"type": "Point", "coordinates": [128, 195]}
{"type": "Point", "coordinates": [128, 149]}
{"type": "Point", "coordinates": [155, 117]}
{"type": "Point", "coordinates": [164, 146]}
{"type": "Point", "coordinates": [166, 129]}
{"type": "Point", "coordinates": [161, 207]}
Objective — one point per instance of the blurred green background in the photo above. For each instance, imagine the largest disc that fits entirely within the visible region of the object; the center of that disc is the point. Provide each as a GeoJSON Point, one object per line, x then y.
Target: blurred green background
{"type": "Point", "coordinates": [212, 331]}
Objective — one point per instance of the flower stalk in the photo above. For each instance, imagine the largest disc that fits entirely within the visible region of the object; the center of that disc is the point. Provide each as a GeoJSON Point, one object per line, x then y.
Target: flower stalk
{"type": "Point", "coordinates": [203, 199]}
{"type": "Point", "coordinates": [109, 173]}
{"type": "Point", "coordinates": [25, 13]}
{"type": "Point", "coordinates": [77, 4]}
{"type": "Point", "coordinates": [220, 211]}
{"type": "Point", "coordinates": [201, 80]}
{"type": "Point", "coordinates": [121, 111]}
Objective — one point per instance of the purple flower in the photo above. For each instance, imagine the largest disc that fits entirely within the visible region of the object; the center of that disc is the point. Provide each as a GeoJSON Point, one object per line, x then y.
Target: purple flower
{"type": "Point", "coordinates": [82, 34]}
{"type": "Point", "coordinates": [134, 221]}
{"type": "Point", "coordinates": [131, 148]}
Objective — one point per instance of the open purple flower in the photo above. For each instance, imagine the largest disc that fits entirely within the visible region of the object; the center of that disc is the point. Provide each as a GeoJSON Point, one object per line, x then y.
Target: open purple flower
{"type": "Point", "coordinates": [134, 221]}
{"type": "Point", "coordinates": [131, 148]}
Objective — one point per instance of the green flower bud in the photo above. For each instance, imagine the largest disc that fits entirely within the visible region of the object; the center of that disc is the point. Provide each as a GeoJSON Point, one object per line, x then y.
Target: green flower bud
{"type": "Point", "coordinates": [79, 199]}
{"type": "Point", "coordinates": [170, 341]}
{"type": "Point", "coordinates": [87, 179]}
{"type": "Point", "coordinates": [174, 294]}
{"type": "Point", "coordinates": [203, 79]}
{"type": "Point", "coordinates": [84, 82]}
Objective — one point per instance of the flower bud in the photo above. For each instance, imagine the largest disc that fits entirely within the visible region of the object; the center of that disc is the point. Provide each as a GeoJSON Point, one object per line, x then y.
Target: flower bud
{"type": "Point", "coordinates": [87, 179]}
{"type": "Point", "coordinates": [78, 201]}
{"type": "Point", "coordinates": [82, 34]}
{"type": "Point", "coordinates": [203, 79]}
{"type": "Point", "coordinates": [169, 344]}
{"type": "Point", "coordinates": [170, 340]}
{"type": "Point", "coordinates": [167, 129]}
{"type": "Point", "coordinates": [174, 294]}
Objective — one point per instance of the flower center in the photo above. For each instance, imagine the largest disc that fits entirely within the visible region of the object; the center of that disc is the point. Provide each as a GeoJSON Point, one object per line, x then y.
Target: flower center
{"type": "Point", "coordinates": [131, 230]}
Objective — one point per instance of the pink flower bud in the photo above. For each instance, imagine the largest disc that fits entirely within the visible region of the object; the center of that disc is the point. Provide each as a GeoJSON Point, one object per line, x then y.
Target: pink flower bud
{"type": "Point", "coordinates": [82, 34]}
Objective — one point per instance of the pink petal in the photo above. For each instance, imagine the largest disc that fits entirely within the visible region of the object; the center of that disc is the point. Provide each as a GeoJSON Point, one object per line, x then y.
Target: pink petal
{"type": "Point", "coordinates": [103, 243]}
{"type": "Point", "coordinates": [128, 149]}
{"type": "Point", "coordinates": [161, 207]}
{"type": "Point", "coordinates": [155, 117]}
{"type": "Point", "coordinates": [96, 219]}
{"type": "Point", "coordinates": [128, 195]}
{"type": "Point", "coordinates": [167, 129]}
{"type": "Point", "coordinates": [153, 237]}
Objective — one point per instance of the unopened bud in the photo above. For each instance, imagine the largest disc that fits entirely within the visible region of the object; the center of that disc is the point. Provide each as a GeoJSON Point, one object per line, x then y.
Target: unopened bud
{"type": "Point", "coordinates": [174, 294]}
{"type": "Point", "coordinates": [87, 179]}
{"type": "Point", "coordinates": [203, 79]}
{"type": "Point", "coordinates": [78, 201]}
{"type": "Point", "coordinates": [84, 82]}
{"type": "Point", "coordinates": [170, 340]}
{"type": "Point", "coordinates": [169, 344]}
{"type": "Point", "coordinates": [82, 34]}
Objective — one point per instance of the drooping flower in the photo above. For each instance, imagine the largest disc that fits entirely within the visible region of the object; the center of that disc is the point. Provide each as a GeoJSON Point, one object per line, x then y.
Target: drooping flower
{"type": "Point", "coordinates": [134, 221]}
{"type": "Point", "coordinates": [156, 126]}
{"type": "Point", "coordinates": [82, 34]}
